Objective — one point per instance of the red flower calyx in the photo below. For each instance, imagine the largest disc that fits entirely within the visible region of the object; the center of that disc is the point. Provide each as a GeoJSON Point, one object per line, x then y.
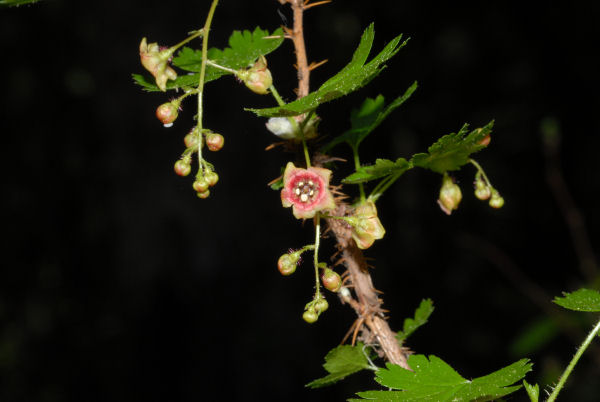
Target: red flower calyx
{"type": "Point", "coordinates": [306, 190]}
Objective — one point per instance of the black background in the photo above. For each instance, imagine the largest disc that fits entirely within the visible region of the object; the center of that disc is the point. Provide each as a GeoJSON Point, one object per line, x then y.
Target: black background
{"type": "Point", "coordinates": [119, 284]}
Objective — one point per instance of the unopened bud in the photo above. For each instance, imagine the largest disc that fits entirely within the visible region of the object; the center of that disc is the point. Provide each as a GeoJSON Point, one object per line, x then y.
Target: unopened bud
{"type": "Point", "coordinates": [167, 112]}
{"type": "Point", "coordinates": [485, 141]}
{"type": "Point", "coordinates": [212, 178]}
{"type": "Point", "coordinates": [191, 139]}
{"type": "Point", "coordinates": [321, 305]}
{"type": "Point", "coordinates": [258, 77]}
{"type": "Point", "coordinates": [214, 141]}
{"type": "Point", "coordinates": [331, 280]}
{"type": "Point", "coordinates": [366, 226]}
{"type": "Point", "coordinates": [450, 195]}
{"type": "Point", "coordinates": [310, 316]}
{"type": "Point", "coordinates": [482, 189]}
{"type": "Point", "coordinates": [201, 185]}
{"type": "Point", "coordinates": [287, 264]}
{"type": "Point", "coordinates": [203, 194]}
{"type": "Point", "coordinates": [496, 201]}
{"type": "Point", "coordinates": [182, 168]}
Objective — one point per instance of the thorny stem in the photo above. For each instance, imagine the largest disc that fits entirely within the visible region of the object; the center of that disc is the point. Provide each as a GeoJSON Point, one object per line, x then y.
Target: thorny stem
{"type": "Point", "coordinates": [369, 306]}
{"type": "Point", "coordinates": [206, 31]}
{"type": "Point", "coordinates": [573, 362]}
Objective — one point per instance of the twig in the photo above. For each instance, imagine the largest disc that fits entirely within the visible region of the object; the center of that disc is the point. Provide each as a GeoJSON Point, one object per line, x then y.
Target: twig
{"type": "Point", "coordinates": [368, 306]}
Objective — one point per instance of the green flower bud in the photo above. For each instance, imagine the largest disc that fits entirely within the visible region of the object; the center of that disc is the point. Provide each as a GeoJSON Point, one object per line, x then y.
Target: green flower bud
{"type": "Point", "coordinates": [310, 316]}
{"type": "Point", "coordinates": [258, 77]}
{"type": "Point", "coordinates": [201, 185]}
{"type": "Point", "coordinates": [167, 112]}
{"type": "Point", "coordinates": [450, 195]}
{"type": "Point", "coordinates": [496, 201]}
{"type": "Point", "coordinates": [482, 189]}
{"type": "Point", "coordinates": [321, 305]}
{"type": "Point", "coordinates": [331, 280]}
{"type": "Point", "coordinates": [214, 141]}
{"type": "Point", "coordinates": [182, 168]}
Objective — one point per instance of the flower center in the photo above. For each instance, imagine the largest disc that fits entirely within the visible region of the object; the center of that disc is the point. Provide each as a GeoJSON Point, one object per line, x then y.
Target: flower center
{"type": "Point", "coordinates": [306, 190]}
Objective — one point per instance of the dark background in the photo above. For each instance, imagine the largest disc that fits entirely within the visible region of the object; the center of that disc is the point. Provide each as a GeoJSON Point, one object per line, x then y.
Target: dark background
{"type": "Point", "coordinates": [118, 284]}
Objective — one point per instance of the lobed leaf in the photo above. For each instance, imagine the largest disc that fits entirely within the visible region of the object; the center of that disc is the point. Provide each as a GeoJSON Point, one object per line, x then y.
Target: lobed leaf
{"type": "Point", "coordinates": [422, 314]}
{"type": "Point", "coordinates": [367, 118]}
{"type": "Point", "coordinates": [533, 391]}
{"type": "Point", "coordinates": [353, 76]}
{"type": "Point", "coordinates": [381, 168]}
{"type": "Point", "coordinates": [453, 150]}
{"type": "Point", "coordinates": [244, 48]}
{"type": "Point", "coordinates": [341, 362]}
{"type": "Point", "coordinates": [580, 300]}
{"type": "Point", "coordinates": [434, 380]}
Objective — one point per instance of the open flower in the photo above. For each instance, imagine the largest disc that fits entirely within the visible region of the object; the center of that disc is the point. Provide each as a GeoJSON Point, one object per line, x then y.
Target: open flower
{"type": "Point", "coordinates": [155, 60]}
{"type": "Point", "coordinates": [306, 190]}
{"type": "Point", "coordinates": [366, 226]}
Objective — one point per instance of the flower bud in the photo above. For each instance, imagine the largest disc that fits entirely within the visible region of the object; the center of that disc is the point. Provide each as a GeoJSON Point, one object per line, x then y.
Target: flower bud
{"type": "Point", "coordinates": [287, 264]}
{"type": "Point", "coordinates": [182, 168]}
{"type": "Point", "coordinates": [496, 201]}
{"type": "Point", "coordinates": [485, 141]}
{"type": "Point", "coordinates": [482, 189]}
{"type": "Point", "coordinates": [214, 141]}
{"type": "Point", "coordinates": [191, 139]}
{"type": "Point", "coordinates": [212, 178]}
{"type": "Point", "coordinates": [203, 194]}
{"type": "Point", "coordinates": [331, 280]}
{"type": "Point", "coordinates": [201, 185]}
{"type": "Point", "coordinates": [450, 195]}
{"type": "Point", "coordinates": [321, 305]}
{"type": "Point", "coordinates": [258, 77]}
{"type": "Point", "coordinates": [167, 112]}
{"type": "Point", "coordinates": [310, 316]}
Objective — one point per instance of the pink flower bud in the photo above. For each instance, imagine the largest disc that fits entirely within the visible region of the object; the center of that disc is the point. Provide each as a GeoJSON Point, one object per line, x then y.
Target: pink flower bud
{"type": "Point", "coordinates": [214, 141]}
{"type": "Point", "coordinates": [200, 185]}
{"type": "Point", "coordinates": [331, 280]}
{"type": "Point", "coordinates": [182, 168]}
{"type": "Point", "coordinates": [167, 112]}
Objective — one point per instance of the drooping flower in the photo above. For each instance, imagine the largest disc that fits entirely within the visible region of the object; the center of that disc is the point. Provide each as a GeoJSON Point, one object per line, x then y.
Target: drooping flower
{"type": "Point", "coordinates": [306, 190]}
{"type": "Point", "coordinates": [450, 195]}
{"type": "Point", "coordinates": [258, 77]}
{"type": "Point", "coordinates": [156, 61]}
{"type": "Point", "coordinates": [366, 226]}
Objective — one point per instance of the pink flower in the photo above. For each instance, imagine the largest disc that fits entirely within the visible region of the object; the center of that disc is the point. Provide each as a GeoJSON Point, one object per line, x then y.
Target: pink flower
{"type": "Point", "coordinates": [306, 190]}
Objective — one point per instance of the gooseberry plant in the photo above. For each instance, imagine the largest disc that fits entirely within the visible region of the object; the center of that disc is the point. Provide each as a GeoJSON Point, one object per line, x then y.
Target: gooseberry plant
{"type": "Point", "coordinates": [306, 187]}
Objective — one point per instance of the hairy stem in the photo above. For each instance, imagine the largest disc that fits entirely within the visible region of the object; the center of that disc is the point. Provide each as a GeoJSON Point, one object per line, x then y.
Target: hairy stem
{"type": "Point", "coordinates": [298, 39]}
{"type": "Point", "coordinates": [206, 30]}
{"type": "Point", "coordinates": [573, 362]}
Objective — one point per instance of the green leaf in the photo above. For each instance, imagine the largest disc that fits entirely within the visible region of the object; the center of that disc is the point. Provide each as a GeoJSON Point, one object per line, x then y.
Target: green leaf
{"type": "Point", "coordinates": [244, 48]}
{"type": "Point", "coordinates": [381, 168]}
{"type": "Point", "coordinates": [422, 314]}
{"type": "Point", "coordinates": [580, 300]}
{"type": "Point", "coordinates": [341, 362]}
{"type": "Point", "coordinates": [533, 391]}
{"type": "Point", "coordinates": [434, 380]}
{"type": "Point", "coordinates": [453, 150]}
{"type": "Point", "coordinates": [355, 75]}
{"type": "Point", "coordinates": [148, 83]}
{"type": "Point", "coordinates": [367, 118]}
{"type": "Point", "coordinates": [11, 3]}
